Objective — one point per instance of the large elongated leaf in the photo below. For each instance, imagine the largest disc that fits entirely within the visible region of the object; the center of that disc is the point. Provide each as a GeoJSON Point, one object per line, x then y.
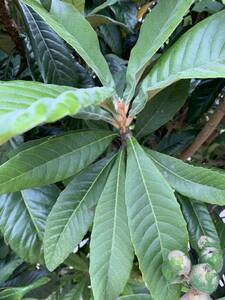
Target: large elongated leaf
{"type": "Point", "coordinates": [22, 220]}
{"type": "Point", "coordinates": [199, 222]}
{"type": "Point", "coordinates": [24, 105]}
{"type": "Point", "coordinates": [73, 213]}
{"type": "Point", "coordinates": [158, 26]}
{"type": "Point", "coordinates": [55, 61]}
{"type": "Point", "coordinates": [111, 253]}
{"type": "Point", "coordinates": [162, 108]}
{"type": "Point", "coordinates": [155, 220]}
{"type": "Point", "coordinates": [7, 268]}
{"type": "Point", "coordinates": [194, 182]}
{"type": "Point", "coordinates": [52, 160]}
{"type": "Point", "coordinates": [70, 25]}
{"type": "Point", "coordinates": [199, 53]}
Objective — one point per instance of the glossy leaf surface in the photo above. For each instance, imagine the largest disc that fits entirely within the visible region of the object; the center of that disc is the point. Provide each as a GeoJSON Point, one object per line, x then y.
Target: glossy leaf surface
{"type": "Point", "coordinates": [111, 253]}
{"type": "Point", "coordinates": [153, 213]}
{"type": "Point", "coordinates": [53, 159]}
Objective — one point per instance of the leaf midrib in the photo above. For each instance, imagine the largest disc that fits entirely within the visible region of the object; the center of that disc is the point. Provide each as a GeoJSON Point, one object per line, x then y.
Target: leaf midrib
{"type": "Point", "coordinates": [114, 218]}
{"type": "Point", "coordinates": [31, 216]}
{"type": "Point", "coordinates": [60, 157]}
{"type": "Point", "coordinates": [83, 199]}
{"type": "Point", "coordinates": [47, 48]}
{"type": "Point", "coordinates": [146, 189]}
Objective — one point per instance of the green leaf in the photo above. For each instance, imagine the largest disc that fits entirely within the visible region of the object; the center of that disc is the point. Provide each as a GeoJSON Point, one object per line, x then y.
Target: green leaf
{"type": "Point", "coordinates": [8, 268]}
{"type": "Point", "coordinates": [22, 220]}
{"type": "Point", "coordinates": [76, 292]}
{"type": "Point", "coordinates": [158, 26]}
{"type": "Point", "coordinates": [70, 25]}
{"type": "Point", "coordinates": [203, 96]}
{"type": "Point", "coordinates": [24, 105]}
{"type": "Point", "coordinates": [78, 4]}
{"type": "Point", "coordinates": [159, 110]}
{"type": "Point", "coordinates": [194, 182]}
{"type": "Point", "coordinates": [155, 220]}
{"type": "Point", "coordinates": [199, 222]}
{"type": "Point", "coordinates": [98, 20]}
{"type": "Point", "coordinates": [73, 213]}
{"type": "Point", "coordinates": [111, 253]}
{"type": "Point", "coordinates": [102, 6]}
{"type": "Point", "coordinates": [199, 53]}
{"type": "Point", "coordinates": [136, 297]}
{"type": "Point", "coordinates": [18, 293]}
{"type": "Point", "coordinates": [55, 61]}
{"type": "Point", "coordinates": [53, 160]}
{"type": "Point", "coordinates": [94, 113]}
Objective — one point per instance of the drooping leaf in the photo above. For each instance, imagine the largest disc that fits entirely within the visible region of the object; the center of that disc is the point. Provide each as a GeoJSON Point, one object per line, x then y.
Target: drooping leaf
{"type": "Point", "coordinates": [102, 6]}
{"type": "Point", "coordinates": [111, 253]}
{"type": "Point", "coordinates": [157, 27]}
{"type": "Point", "coordinates": [53, 160]}
{"type": "Point", "coordinates": [22, 220]}
{"type": "Point", "coordinates": [70, 25]}
{"type": "Point", "coordinates": [136, 297]}
{"type": "Point", "coordinates": [155, 220]}
{"type": "Point", "coordinates": [25, 105]}
{"type": "Point", "coordinates": [199, 222]}
{"type": "Point", "coordinates": [162, 108]}
{"type": "Point", "coordinates": [199, 53]}
{"type": "Point", "coordinates": [196, 183]}
{"type": "Point", "coordinates": [18, 293]}
{"type": "Point", "coordinates": [55, 61]}
{"type": "Point", "coordinates": [73, 213]}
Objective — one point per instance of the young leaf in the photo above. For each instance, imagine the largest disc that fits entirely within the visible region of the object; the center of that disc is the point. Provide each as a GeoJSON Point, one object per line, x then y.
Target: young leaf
{"type": "Point", "coordinates": [111, 253]}
{"type": "Point", "coordinates": [162, 108]}
{"type": "Point", "coordinates": [24, 105]}
{"type": "Point", "coordinates": [70, 25]}
{"type": "Point", "coordinates": [22, 220]}
{"type": "Point", "coordinates": [55, 61]}
{"type": "Point", "coordinates": [199, 53]}
{"type": "Point", "coordinates": [73, 213]}
{"type": "Point", "coordinates": [53, 159]}
{"type": "Point", "coordinates": [155, 220]}
{"type": "Point", "coordinates": [199, 222]}
{"type": "Point", "coordinates": [194, 182]}
{"type": "Point", "coordinates": [157, 27]}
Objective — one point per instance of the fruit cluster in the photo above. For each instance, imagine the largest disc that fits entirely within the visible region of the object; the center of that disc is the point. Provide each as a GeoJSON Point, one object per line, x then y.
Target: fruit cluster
{"type": "Point", "coordinates": [201, 279]}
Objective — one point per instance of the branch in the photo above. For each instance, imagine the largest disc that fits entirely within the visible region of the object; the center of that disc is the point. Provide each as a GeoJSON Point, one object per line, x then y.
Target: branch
{"type": "Point", "coordinates": [10, 26]}
{"type": "Point", "coordinates": [207, 130]}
